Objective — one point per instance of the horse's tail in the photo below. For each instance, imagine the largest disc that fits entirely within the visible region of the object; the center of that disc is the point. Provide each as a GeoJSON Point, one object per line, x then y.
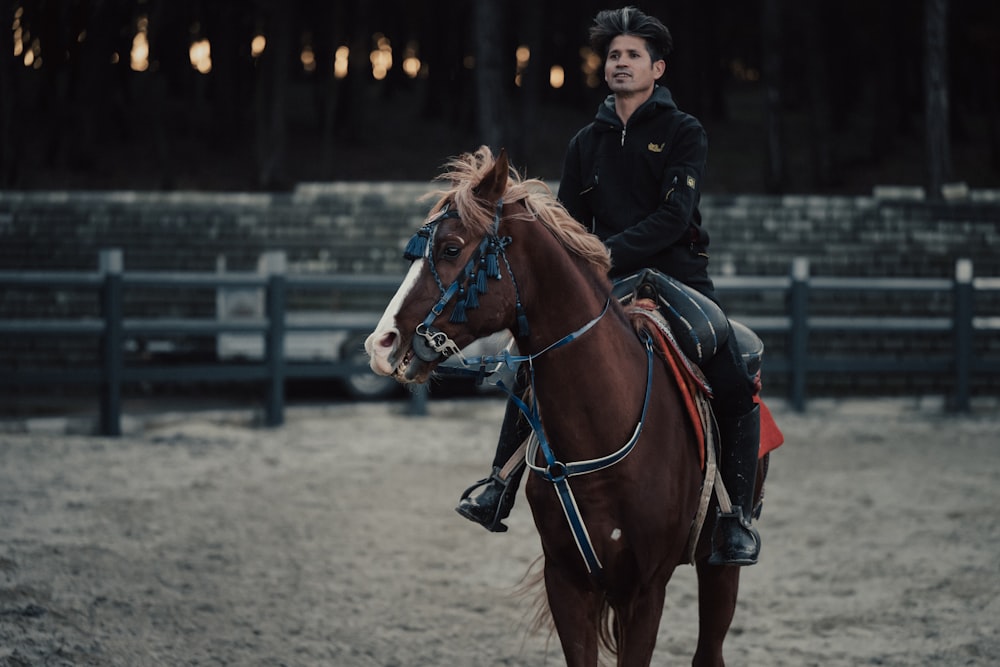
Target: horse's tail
{"type": "Point", "coordinates": [532, 588]}
{"type": "Point", "coordinates": [608, 628]}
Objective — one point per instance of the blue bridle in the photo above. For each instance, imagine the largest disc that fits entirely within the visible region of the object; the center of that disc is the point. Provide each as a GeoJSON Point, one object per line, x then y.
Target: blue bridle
{"type": "Point", "coordinates": [430, 343]}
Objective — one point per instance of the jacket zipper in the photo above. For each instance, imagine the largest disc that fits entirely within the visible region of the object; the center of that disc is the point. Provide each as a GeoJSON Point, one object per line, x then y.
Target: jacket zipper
{"type": "Point", "coordinates": [623, 134]}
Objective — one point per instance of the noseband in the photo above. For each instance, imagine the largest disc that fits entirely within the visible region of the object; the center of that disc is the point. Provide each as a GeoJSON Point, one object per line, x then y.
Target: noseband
{"type": "Point", "coordinates": [429, 342]}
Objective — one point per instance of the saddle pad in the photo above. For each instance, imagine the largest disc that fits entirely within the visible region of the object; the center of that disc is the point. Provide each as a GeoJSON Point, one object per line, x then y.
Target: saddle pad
{"type": "Point", "coordinates": [645, 317]}
{"type": "Point", "coordinates": [771, 436]}
{"type": "Point", "coordinates": [692, 384]}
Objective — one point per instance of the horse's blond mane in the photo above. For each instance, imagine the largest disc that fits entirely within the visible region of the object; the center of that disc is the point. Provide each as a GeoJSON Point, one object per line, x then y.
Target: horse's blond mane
{"type": "Point", "coordinates": [464, 172]}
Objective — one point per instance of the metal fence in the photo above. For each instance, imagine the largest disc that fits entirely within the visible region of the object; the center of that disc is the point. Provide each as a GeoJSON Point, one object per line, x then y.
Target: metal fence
{"type": "Point", "coordinates": [962, 325]}
{"type": "Point", "coordinates": [112, 328]}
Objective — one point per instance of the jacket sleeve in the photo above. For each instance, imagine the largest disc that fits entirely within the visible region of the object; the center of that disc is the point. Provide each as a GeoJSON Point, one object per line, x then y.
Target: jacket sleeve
{"type": "Point", "coordinates": [673, 218]}
{"type": "Point", "coordinates": [571, 185]}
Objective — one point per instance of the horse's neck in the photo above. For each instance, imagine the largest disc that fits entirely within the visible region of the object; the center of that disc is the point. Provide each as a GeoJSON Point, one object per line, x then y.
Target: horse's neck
{"type": "Point", "coordinates": [595, 383]}
{"type": "Point", "coordinates": [609, 347]}
{"type": "Point", "coordinates": [562, 302]}
{"type": "Point", "coordinates": [561, 295]}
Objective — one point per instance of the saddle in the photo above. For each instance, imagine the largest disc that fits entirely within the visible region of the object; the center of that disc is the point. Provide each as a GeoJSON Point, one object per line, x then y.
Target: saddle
{"type": "Point", "coordinates": [698, 323]}
{"type": "Point", "coordinates": [688, 326]}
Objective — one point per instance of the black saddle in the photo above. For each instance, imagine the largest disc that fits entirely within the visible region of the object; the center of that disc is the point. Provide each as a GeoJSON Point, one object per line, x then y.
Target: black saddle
{"type": "Point", "coordinates": [697, 322]}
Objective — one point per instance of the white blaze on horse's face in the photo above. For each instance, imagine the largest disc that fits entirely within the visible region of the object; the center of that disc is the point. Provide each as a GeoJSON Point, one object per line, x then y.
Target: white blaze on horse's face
{"type": "Point", "coordinates": [382, 345]}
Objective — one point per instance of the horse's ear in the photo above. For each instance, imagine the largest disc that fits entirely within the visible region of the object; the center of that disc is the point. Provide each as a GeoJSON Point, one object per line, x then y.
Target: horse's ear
{"type": "Point", "coordinates": [494, 183]}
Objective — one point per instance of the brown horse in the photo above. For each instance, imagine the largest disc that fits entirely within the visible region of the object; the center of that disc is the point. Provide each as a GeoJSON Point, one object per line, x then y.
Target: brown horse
{"type": "Point", "coordinates": [500, 253]}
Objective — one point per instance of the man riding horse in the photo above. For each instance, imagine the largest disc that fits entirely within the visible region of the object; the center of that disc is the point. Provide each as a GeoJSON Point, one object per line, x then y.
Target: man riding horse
{"type": "Point", "coordinates": [632, 176]}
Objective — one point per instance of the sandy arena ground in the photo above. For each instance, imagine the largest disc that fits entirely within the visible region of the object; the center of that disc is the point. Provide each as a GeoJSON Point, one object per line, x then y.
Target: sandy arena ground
{"type": "Point", "coordinates": [201, 539]}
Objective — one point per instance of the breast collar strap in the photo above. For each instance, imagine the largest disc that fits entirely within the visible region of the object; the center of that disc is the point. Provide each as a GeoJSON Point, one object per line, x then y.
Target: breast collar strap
{"type": "Point", "coordinates": [558, 473]}
{"type": "Point", "coordinates": [554, 470]}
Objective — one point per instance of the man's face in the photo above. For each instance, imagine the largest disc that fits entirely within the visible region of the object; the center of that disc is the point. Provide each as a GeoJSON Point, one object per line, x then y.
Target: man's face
{"type": "Point", "coordinates": [628, 69]}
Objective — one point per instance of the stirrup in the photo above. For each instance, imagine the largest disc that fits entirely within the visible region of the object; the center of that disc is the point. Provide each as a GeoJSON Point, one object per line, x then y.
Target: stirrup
{"type": "Point", "coordinates": [489, 516]}
{"type": "Point", "coordinates": [728, 526]}
{"type": "Point", "coordinates": [475, 485]}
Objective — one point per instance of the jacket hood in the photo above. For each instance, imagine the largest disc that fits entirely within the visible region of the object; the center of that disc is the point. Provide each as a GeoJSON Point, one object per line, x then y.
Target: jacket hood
{"type": "Point", "coordinates": [661, 98]}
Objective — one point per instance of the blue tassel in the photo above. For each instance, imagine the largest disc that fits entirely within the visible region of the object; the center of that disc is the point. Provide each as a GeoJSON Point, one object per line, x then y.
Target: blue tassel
{"type": "Point", "coordinates": [472, 300]}
{"type": "Point", "coordinates": [492, 268]}
{"type": "Point", "coordinates": [458, 315]}
{"type": "Point", "coordinates": [417, 245]}
{"type": "Point", "coordinates": [522, 322]}
{"type": "Point", "coordinates": [481, 283]}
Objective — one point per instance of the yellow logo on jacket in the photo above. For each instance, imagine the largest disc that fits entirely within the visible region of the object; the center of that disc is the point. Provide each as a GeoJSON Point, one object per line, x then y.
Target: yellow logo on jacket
{"type": "Point", "coordinates": [655, 148]}
{"type": "Point", "coordinates": [690, 182]}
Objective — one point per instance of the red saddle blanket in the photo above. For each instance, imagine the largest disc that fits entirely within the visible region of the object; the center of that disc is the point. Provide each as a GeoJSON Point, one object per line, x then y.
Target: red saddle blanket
{"type": "Point", "coordinates": [646, 318]}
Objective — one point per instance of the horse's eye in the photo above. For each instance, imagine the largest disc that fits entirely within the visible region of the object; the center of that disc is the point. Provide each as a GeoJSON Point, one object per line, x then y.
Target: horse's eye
{"type": "Point", "coordinates": [451, 252]}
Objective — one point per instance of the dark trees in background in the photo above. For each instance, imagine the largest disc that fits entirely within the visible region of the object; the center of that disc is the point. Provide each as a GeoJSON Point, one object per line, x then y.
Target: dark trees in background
{"type": "Point", "coordinates": [330, 30]}
{"type": "Point", "coordinates": [936, 117]}
{"type": "Point", "coordinates": [774, 146]}
{"type": "Point", "coordinates": [819, 92]}
{"type": "Point", "coordinates": [705, 34]}
{"type": "Point", "coordinates": [271, 93]}
{"type": "Point", "coordinates": [8, 146]}
{"type": "Point", "coordinates": [490, 101]}
{"type": "Point", "coordinates": [820, 96]}
{"type": "Point", "coordinates": [531, 20]}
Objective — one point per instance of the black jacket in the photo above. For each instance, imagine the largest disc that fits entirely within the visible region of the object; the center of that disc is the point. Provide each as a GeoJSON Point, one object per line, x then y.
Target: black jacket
{"type": "Point", "coordinates": [637, 187]}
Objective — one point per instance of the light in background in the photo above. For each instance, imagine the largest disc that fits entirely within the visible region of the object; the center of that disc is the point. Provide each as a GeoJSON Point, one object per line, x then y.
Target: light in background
{"type": "Point", "coordinates": [591, 67]}
{"type": "Point", "coordinates": [522, 55]}
{"type": "Point", "coordinates": [257, 46]}
{"type": "Point", "coordinates": [557, 76]}
{"type": "Point", "coordinates": [381, 56]}
{"type": "Point", "coordinates": [139, 56]}
{"type": "Point", "coordinates": [200, 54]}
{"type": "Point", "coordinates": [340, 59]}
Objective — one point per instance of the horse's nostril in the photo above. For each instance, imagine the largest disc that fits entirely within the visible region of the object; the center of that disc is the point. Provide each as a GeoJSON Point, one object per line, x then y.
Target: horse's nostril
{"type": "Point", "coordinates": [388, 340]}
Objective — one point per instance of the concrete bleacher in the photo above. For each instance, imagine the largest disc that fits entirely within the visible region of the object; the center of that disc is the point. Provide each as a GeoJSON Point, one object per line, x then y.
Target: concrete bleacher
{"type": "Point", "coordinates": [363, 227]}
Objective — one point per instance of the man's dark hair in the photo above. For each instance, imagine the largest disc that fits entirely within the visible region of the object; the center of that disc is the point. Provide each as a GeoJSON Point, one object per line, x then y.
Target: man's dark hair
{"type": "Point", "coordinates": [611, 23]}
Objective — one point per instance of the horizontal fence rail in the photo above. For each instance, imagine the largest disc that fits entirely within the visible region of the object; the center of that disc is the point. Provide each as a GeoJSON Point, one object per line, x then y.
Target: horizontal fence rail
{"type": "Point", "coordinates": [112, 329]}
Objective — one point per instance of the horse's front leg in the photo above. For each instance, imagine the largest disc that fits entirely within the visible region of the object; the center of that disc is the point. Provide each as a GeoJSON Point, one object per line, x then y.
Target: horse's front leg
{"type": "Point", "coordinates": [575, 608]}
{"type": "Point", "coordinates": [718, 586]}
{"type": "Point", "coordinates": [639, 625]}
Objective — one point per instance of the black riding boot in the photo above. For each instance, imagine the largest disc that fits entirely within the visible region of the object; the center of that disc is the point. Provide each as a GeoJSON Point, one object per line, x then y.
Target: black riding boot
{"type": "Point", "coordinates": [494, 502]}
{"type": "Point", "coordinates": [735, 541]}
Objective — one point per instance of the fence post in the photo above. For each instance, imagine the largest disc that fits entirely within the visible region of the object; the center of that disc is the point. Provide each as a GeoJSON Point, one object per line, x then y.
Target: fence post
{"type": "Point", "coordinates": [110, 264]}
{"type": "Point", "coordinates": [798, 308]}
{"type": "Point", "coordinates": [962, 327]}
{"type": "Point", "coordinates": [418, 401]}
{"type": "Point", "coordinates": [275, 266]}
